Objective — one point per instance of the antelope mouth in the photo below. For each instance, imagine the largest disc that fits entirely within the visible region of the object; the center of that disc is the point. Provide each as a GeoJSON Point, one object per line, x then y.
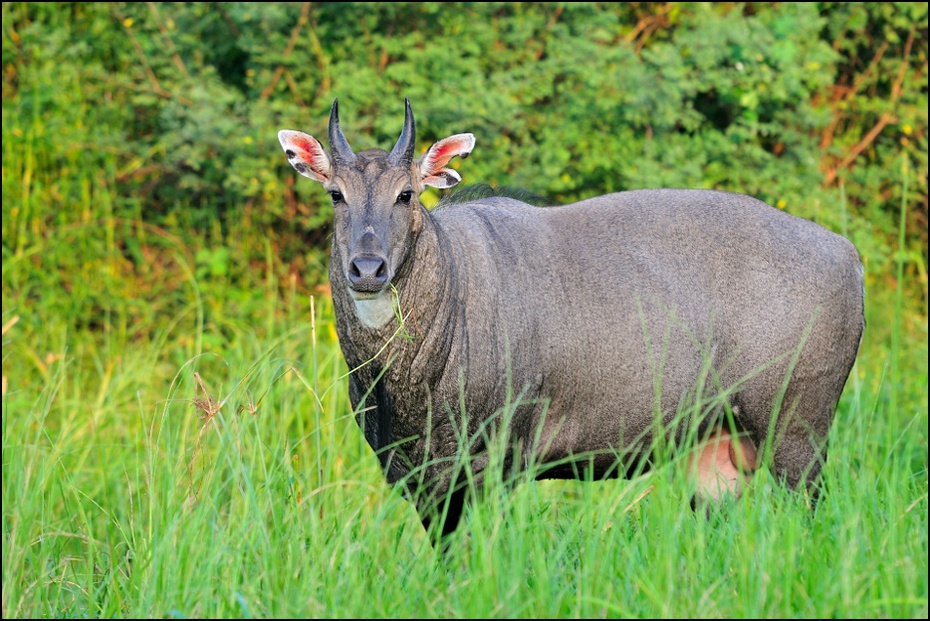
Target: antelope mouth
{"type": "Point", "coordinates": [360, 295]}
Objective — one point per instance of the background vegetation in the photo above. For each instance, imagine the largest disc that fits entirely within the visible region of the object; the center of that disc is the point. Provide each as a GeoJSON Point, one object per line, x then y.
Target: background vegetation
{"type": "Point", "coordinates": [177, 439]}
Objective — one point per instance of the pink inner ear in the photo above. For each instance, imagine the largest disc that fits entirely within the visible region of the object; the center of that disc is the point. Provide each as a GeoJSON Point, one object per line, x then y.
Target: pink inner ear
{"type": "Point", "coordinates": [305, 144]}
{"type": "Point", "coordinates": [311, 152]}
{"type": "Point", "coordinates": [443, 153]}
{"type": "Point", "coordinates": [306, 154]}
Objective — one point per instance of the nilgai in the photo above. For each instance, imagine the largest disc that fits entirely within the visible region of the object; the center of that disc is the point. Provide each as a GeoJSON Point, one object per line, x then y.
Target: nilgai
{"type": "Point", "coordinates": [580, 336]}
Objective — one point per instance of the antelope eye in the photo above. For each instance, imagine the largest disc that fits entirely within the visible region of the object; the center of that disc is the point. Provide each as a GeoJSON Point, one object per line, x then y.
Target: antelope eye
{"type": "Point", "coordinates": [405, 196]}
{"type": "Point", "coordinates": [336, 196]}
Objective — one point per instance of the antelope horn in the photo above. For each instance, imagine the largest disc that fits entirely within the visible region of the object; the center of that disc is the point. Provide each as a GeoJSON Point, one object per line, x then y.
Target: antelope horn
{"type": "Point", "coordinates": [342, 152]}
{"type": "Point", "coordinates": [402, 153]}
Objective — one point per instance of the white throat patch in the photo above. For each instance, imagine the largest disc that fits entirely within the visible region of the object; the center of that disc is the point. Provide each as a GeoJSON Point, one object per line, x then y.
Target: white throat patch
{"type": "Point", "coordinates": [375, 312]}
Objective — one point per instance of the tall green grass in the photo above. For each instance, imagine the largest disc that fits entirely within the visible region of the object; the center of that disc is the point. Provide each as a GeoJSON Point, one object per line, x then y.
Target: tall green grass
{"type": "Point", "coordinates": [179, 443]}
{"type": "Point", "coordinates": [128, 491]}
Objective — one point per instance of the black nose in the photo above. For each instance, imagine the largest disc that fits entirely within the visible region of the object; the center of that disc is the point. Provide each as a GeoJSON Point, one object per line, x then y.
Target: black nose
{"type": "Point", "coordinates": [368, 274]}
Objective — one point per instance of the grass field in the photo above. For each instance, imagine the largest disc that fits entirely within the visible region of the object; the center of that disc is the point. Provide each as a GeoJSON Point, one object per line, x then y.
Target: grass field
{"type": "Point", "coordinates": [203, 462]}
{"type": "Point", "coordinates": [178, 442]}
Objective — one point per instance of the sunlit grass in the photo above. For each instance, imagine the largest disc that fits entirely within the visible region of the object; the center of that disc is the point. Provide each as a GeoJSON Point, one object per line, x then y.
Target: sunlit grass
{"type": "Point", "coordinates": [133, 488]}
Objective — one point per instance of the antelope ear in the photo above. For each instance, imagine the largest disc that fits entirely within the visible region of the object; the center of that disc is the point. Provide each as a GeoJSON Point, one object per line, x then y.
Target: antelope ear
{"type": "Point", "coordinates": [431, 165]}
{"type": "Point", "coordinates": [306, 155]}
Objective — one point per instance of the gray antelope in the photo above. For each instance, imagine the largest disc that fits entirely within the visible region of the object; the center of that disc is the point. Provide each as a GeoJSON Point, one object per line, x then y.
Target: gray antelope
{"type": "Point", "coordinates": [581, 334]}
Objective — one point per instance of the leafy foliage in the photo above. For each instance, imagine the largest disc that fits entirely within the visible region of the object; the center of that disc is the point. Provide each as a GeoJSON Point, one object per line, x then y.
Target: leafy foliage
{"type": "Point", "coordinates": [813, 107]}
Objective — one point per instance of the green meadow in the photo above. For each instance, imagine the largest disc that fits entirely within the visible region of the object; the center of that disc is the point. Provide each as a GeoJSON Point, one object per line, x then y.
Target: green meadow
{"type": "Point", "coordinates": [177, 436]}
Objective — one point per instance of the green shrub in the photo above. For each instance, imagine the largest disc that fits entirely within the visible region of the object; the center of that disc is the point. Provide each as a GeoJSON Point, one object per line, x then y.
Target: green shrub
{"type": "Point", "coordinates": [176, 106]}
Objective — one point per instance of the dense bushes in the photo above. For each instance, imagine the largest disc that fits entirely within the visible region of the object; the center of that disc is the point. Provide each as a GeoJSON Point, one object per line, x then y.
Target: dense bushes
{"type": "Point", "coordinates": [818, 108]}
